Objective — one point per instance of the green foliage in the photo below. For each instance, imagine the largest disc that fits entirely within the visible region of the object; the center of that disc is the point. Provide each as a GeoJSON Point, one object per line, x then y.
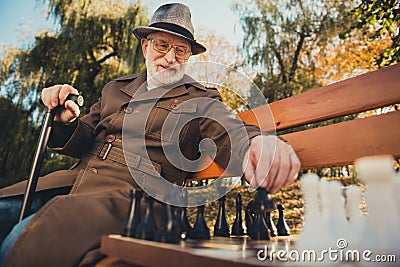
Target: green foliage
{"type": "Point", "coordinates": [377, 18]}
{"type": "Point", "coordinates": [93, 44]}
{"type": "Point", "coordinates": [93, 35]}
{"type": "Point", "coordinates": [17, 136]}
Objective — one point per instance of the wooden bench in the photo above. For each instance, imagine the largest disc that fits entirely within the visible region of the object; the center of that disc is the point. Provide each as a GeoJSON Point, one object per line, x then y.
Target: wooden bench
{"type": "Point", "coordinates": [334, 144]}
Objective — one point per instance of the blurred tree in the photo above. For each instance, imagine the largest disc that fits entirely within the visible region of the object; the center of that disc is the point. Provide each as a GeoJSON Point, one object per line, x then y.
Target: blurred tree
{"type": "Point", "coordinates": [379, 20]}
{"type": "Point", "coordinates": [348, 57]}
{"type": "Point", "coordinates": [17, 136]}
{"type": "Point", "coordinates": [219, 70]}
{"type": "Point", "coordinates": [93, 44]}
{"type": "Point", "coordinates": [280, 37]}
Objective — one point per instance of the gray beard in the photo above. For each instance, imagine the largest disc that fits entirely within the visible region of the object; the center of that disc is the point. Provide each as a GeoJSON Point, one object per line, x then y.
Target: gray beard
{"type": "Point", "coordinates": [161, 79]}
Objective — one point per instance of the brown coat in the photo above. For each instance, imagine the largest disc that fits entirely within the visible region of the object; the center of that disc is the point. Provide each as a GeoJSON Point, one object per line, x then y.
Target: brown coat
{"type": "Point", "coordinates": [67, 230]}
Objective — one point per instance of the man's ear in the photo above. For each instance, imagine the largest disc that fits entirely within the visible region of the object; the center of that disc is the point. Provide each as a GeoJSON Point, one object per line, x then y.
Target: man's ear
{"type": "Point", "coordinates": [145, 44]}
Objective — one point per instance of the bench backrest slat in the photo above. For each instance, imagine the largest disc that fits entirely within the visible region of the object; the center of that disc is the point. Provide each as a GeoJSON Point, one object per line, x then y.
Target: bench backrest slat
{"type": "Point", "coordinates": [342, 143]}
{"type": "Point", "coordinates": [365, 92]}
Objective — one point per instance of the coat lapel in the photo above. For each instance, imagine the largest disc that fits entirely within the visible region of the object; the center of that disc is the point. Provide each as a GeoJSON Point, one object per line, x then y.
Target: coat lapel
{"type": "Point", "coordinates": [137, 86]}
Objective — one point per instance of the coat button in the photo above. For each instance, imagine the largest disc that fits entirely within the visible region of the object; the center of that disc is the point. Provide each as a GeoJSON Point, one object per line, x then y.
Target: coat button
{"type": "Point", "coordinates": [128, 110]}
{"type": "Point", "coordinates": [110, 138]}
{"type": "Point", "coordinates": [93, 170]}
{"type": "Point", "coordinates": [174, 106]}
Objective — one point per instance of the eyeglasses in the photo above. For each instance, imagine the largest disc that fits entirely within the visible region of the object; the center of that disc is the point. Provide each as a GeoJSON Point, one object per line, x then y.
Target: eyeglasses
{"type": "Point", "coordinates": [162, 46]}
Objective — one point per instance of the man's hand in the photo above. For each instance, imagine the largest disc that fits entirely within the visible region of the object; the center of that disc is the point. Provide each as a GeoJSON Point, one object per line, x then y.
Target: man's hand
{"type": "Point", "coordinates": [270, 163]}
{"type": "Point", "coordinates": [56, 96]}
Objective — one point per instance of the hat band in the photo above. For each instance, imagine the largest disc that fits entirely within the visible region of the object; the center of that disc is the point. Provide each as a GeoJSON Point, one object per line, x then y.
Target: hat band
{"type": "Point", "coordinates": [173, 28]}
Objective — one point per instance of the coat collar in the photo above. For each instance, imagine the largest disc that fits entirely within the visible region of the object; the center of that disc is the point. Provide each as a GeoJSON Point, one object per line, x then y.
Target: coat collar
{"type": "Point", "coordinates": [137, 88]}
{"type": "Point", "coordinates": [139, 82]}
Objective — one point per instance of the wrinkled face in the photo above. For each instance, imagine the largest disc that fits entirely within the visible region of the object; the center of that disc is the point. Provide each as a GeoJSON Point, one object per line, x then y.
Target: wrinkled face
{"type": "Point", "coordinates": [165, 64]}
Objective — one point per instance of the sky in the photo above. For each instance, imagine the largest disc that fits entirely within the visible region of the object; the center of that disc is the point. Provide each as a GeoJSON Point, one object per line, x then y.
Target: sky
{"type": "Point", "coordinates": [21, 19]}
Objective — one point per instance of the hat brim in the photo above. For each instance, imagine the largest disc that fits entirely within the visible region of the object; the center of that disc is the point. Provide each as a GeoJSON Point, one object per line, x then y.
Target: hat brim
{"type": "Point", "coordinates": [142, 32]}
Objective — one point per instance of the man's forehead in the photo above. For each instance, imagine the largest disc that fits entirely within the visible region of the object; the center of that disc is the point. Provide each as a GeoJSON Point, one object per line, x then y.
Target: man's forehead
{"type": "Point", "coordinates": [169, 37]}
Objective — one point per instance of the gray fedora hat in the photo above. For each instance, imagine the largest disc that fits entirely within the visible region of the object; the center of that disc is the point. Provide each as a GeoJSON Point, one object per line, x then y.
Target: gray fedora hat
{"type": "Point", "coordinates": [175, 19]}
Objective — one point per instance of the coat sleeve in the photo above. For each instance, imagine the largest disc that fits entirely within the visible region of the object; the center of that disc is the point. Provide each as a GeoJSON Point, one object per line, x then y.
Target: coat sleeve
{"type": "Point", "coordinates": [79, 140]}
{"type": "Point", "coordinates": [230, 135]}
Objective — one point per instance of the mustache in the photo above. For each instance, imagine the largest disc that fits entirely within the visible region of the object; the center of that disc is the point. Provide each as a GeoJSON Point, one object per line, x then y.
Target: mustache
{"type": "Point", "coordinates": [165, 65]}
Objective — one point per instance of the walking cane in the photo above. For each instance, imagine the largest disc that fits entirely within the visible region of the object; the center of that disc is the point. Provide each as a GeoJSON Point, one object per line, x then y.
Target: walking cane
{"type": "Point", "coordinates": [40, 150]}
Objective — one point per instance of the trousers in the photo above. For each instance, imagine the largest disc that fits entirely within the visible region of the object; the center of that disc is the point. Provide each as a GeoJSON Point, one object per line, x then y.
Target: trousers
{"type": "Point", "coordinates": [9, 241]}
{"type": "Point", "coordinates": [10, 207]}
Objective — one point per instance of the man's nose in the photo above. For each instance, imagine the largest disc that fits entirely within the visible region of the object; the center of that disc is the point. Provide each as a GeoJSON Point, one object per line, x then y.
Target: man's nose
{"type": "Point", "coordinates": [170, 56]}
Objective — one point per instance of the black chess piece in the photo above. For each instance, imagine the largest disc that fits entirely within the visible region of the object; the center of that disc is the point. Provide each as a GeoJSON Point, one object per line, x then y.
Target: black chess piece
{"type": "Point", "coordinates": [263, 201]}
{"type": "Point", "coordinates": [200, 229]}
{"type": "Point", "coordinates": [170, 229]}
{"type": "Point", "coordinates": [249, 215]}
{"type": "Point", "coordinates": [221, 225]}
{"type": "Point", "coordinates": [283, 228]}
{"type": "Point", "coordinates": [186, 228]}
{"type": "Point", "coordinates": [262, 204]}
{"type": "Point", "coordinates": [133, 218]}
{"type": "Point", "coordinates": [237, 227]}
{"type": "Point", "coordinates": [182, 214]}
{"type": "Point", "coordinates": [147, 227]}
{"type": "Point", "coordinates": [271, 226]}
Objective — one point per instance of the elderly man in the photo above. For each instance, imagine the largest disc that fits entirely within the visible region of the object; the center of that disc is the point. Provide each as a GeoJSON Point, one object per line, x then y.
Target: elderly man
{"type": "Point", "coordinates": [66, 231]}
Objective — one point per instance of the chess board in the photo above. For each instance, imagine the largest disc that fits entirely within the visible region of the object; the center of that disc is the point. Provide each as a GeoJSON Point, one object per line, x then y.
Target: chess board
{"type": "Point", "coordinates": [218, 251]}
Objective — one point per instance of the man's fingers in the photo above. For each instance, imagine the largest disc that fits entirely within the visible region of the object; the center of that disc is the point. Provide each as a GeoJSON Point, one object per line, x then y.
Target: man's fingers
{"type": "Point", "coordinates": [271, 164]}
{"type": "Point", "coordinates": [69, 114]}
{"type": "Point", "coordinates": [283, 172]}
{"type": "Point", "coordinates": [251, 177]}
{"type": "Point", "coordinates": [66, 90]}
{"type": "Point", "coordinates": [72, 107]}
{"type": "Point", "coordinates": [294, 170]}
{"type": "Point", "coordinates": [57, 95]}
{"type": "Point", "coordinates": [46, 92]}
{"type": "Point", "coordinates": [54, 96]}
{"type": "Point", "coordinates": [249, 171]}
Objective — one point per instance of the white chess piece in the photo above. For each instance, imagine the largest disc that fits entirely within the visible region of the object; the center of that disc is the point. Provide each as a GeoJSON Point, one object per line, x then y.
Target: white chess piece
{"type": "Point", "coordinates": [356, 221]}
{"type": "Point", "coordinates": [324, 199]}
{"type": "Point", "coordinates": [337, 221]}
{"type": "Point", "coordinates": [396, 200]}
{"type": "Point", "coordinates": [396, 192]}
{"type": "Point", "coordinates": [381, 230]}
{"type": "Point", "coordinates": [315, 234]}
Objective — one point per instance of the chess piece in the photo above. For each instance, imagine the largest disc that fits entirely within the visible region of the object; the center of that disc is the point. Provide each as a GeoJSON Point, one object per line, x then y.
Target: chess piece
{"type": "Point", "coordinates": [181, 213]}
{"type": "Point", "coordinates": [282, 227]}
{"type": "Point", "coordinates": [200, 229]}
{"type": "Point", "coordinates": [356, 221]}
{"type": "Point", "coordinates": [170, 229]}
{"type": "Point", "coordinates": [147, 226]}
{"type": "Point", "coordinates": [133, 218]}
{"type": "Point", "coordinates": [315, 231]}
{"type": "Point", "coordinates": [221, 225]}
{"type": "Point", "coordinates": [186, 228]}
{"type": "Point", "coordinates": [378, 173]}
{"type": "Point", "coordinates": [237, 227]}
{"type": "Point", "coordinates": [273, 231]}
{"type": "Point", "coordinates": [262, 204]}
{"type": "Point", "coordinates": [249, 215]}
{"type": "Point", "coordinates": [337, 222]}
{"type": "Point", "coordinates": [323, 192]}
